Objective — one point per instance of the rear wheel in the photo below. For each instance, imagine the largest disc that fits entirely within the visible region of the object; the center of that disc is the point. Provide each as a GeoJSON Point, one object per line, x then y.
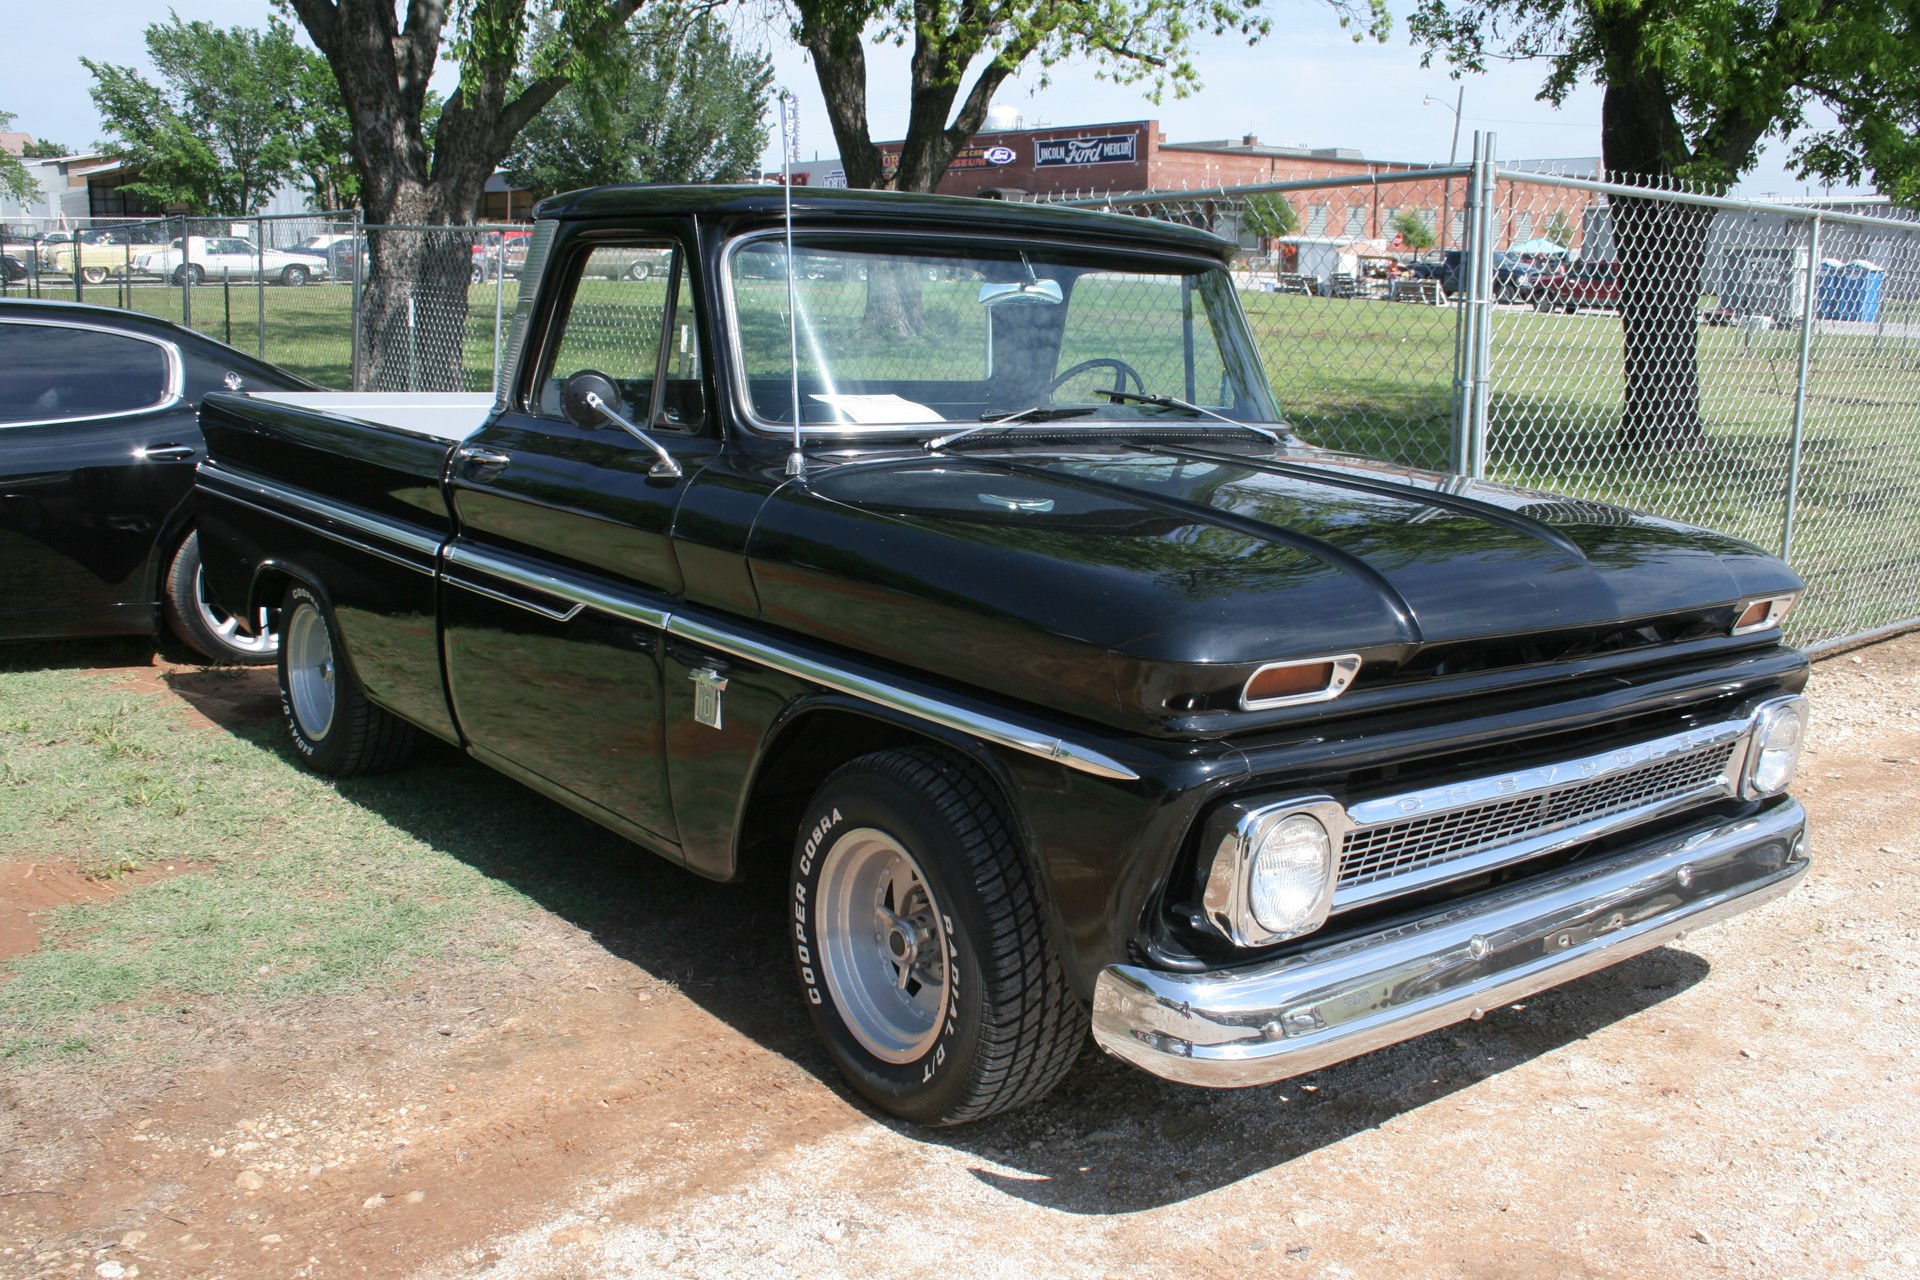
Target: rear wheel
{"type": "Point", "coordinates": [294, 277]}
{"type": "Point", "coordinates": [190, 274]}
{"type": "Point", "coordinates": [639, 271]}
{"type": "Point", "coordinates": [93, 275]}
{"type": "Point", "coordinates": [921, 946]}
{"type": "Point", "coordinates": [203, 624]}
{"type": "Point", "coordinates": [332, 724]}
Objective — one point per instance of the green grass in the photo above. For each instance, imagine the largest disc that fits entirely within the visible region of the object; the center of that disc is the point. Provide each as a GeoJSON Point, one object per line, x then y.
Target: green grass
{"type": "Point", "coordinates": [296, 886]}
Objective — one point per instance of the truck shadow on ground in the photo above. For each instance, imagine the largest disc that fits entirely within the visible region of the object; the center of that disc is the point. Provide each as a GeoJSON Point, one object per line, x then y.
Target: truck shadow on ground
{"type": "Point", "coordinates": [1110, 1139]}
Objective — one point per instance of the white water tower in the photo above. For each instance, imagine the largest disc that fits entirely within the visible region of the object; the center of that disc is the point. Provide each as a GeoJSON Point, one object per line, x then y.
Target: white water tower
{"type": "Point", "coordinates": [1002, 118]}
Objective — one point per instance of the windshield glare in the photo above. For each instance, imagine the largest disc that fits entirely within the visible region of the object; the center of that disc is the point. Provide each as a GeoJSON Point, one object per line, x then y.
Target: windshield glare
{"type": "Point", "coordinates": [972, 332]}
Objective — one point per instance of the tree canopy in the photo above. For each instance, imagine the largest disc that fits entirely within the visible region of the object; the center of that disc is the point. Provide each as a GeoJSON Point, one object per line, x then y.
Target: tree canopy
{"type": "Point", "coordinates": [219, 133]}
{"type": "Point", "coordinates": [15, 182]}
{"type": "Point", "coordinates": [680, 104]}
{"type": "Point", "coordinates": [1690, 91]}
{"type": "Point", "coordinates": [1145, 42]}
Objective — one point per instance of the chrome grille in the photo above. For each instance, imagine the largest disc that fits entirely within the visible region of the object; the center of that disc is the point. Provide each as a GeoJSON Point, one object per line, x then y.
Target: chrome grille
{"type": "Point", "coordinates": [1371, 854]}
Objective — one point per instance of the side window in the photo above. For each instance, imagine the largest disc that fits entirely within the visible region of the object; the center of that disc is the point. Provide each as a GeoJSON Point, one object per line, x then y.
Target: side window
{"type": "Point", "coordinates": [631, 306]}
{"type": "Point", "coordinates": [49, 372]}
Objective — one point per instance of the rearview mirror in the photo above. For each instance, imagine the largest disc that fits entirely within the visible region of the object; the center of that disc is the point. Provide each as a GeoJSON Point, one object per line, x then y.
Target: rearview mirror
{"type": "Point", "coordinates": [1032, 290]}
{"type": "Point", "coordinates": [573, 398]}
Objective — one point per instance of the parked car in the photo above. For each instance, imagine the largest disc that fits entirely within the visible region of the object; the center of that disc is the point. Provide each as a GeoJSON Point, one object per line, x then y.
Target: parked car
{"type": "Point", "coordinates": [1061, 687]}
{"type": "Point", "coordinates": [1584, 284]}
{"type": "Point", "coordinates": [229, 257]}
{"type": "Point", "coordinates": [104, 251]}
{"type": "Point", "coordinates": [99, 435]}
{"type": "Point", "coordinates": [335, 249]}
{"type": "Point", "coordinates": [498, 251]}
{"type": "Point", "coordinates": [12, 269]}
{"type": "Point", "coordinates": [1515, 275]}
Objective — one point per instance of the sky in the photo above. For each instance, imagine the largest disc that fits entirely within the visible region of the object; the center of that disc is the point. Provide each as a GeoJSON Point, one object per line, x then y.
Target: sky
{"type": "Point", "coordinates": [1307, 83]}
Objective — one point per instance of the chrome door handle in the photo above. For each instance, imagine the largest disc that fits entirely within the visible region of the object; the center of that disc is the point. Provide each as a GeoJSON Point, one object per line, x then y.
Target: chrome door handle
{"type": "Point", "coordinates": [477, 459]}
{"type": "Point", "coordinates": [164, 452]}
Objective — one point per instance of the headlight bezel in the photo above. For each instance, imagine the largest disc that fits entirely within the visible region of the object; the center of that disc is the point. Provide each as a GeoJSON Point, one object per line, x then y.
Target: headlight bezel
{"type": "Point", "coordinates": [1231, 844]}
{"type": "Point", "coordinates": [1766, 718]}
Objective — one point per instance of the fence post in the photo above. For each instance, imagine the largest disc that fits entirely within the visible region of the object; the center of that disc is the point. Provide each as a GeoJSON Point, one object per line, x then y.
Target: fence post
{"type": "Point", "coordinates": [360, 247]}
{"type": "Point", "coordinates": [1809, 313]}
{"type": "Point", "coordinates": [499, 304]}
{"type": "Point", "coordinates": [186, 274]}
{"type": "Point", "coordinates": [260, 278]}
{"type": "Point", "coordinates": [1474, 331]}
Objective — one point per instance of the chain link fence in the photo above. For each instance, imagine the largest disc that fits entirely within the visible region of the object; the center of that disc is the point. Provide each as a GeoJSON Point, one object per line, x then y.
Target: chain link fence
{"type": "Point", "coordinates": [289, 288]}
{"type": "Point", "coordinates": [1753, 367]}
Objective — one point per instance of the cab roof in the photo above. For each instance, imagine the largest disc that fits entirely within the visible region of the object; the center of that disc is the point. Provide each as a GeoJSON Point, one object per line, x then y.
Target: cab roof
{"type": "Point", "coordinates": [821, 207]}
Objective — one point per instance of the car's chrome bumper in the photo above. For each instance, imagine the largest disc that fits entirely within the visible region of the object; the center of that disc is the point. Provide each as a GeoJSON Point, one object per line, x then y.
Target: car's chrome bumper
{"type": "Point", "coordinates": [1297, 1014]}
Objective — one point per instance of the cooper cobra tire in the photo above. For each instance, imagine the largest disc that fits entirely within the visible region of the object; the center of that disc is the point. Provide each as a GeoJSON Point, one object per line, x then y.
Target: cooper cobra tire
{"type": "Point", "coordinates": [922, 949]}
{"type": "Point", "coordinates": [334, 728]}
{"type": "Point", "coordinates": [201, 623]}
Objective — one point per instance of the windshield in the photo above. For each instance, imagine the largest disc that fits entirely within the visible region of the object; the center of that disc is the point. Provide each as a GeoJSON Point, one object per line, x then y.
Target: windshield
{"type": "Point", "coordinates": [970, 331]}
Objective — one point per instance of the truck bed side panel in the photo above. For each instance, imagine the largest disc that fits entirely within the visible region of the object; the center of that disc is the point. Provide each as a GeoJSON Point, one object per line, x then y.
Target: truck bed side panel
{"type": "Point", "coordinates": [355, 508]}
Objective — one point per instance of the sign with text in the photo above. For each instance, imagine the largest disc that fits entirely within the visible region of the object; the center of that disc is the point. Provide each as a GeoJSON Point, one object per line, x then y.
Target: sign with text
{"type": "Point", "coordinates": [1119, 149]}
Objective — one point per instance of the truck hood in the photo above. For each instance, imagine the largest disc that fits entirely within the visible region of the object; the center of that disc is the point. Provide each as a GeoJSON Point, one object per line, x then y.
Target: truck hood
{"type": "Point", "coordinates": [1142, 581]}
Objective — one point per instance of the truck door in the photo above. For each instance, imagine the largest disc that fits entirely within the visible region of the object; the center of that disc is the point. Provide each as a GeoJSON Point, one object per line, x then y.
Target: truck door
{"type": "Point", "coordinates": [563, 571]}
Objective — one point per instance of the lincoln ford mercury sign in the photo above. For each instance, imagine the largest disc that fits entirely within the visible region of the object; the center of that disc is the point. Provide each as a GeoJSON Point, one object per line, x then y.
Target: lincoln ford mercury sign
{"type": "Point", "coordinates": [1119, 149]}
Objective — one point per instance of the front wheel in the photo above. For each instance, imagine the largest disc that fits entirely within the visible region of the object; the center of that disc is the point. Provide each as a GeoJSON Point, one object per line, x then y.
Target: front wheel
{"type": "Point", "coordinates": [294, 277]}
{"type": "Point", "coordinates": [922, 948]}
{"type": "Point", "coordinates": [201, 623]}
{"type": "Point", "coordinates": [334, 728]}
{"type": "Point", "coordinates": [190, 274]}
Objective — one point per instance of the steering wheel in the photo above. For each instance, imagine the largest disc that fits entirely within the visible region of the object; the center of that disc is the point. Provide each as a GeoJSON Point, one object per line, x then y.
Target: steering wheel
{"type": "Point", "coordinates": [1121, 372]}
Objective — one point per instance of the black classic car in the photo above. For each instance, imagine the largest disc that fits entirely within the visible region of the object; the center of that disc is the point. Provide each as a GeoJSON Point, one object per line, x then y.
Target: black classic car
{"type": "Point", "coordinates": [99, 434]}
{"type": "Point", "coordinates": [975, 585]}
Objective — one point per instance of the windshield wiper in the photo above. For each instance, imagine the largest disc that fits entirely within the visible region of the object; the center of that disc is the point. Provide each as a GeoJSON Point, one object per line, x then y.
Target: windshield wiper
{"type": "Point", "coordinates": [1174, 402]}
{"type": "Point", "coordinates": [1032, 413]}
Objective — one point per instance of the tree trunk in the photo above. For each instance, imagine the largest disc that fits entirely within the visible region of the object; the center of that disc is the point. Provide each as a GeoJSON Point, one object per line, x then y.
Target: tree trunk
{"type": "Point", "coordinates": [413, 314]}
{"type": "Point", "coordinates": [1661, 251]}
{"type": "Point", "coordinates": [894, 308]}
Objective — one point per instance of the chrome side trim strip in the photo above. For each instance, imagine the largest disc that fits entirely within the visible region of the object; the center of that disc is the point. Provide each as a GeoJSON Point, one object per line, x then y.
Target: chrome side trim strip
{"type": "Point", "coordinates": [774, 657]}
{"type": "Point", "coordinates": [247, 490]}
{"type": "Point", "coordinates": [579, 594]}
{"type": "Point", "coordinates": [1297, 1014]}
{"type": "Point", "coordinates": [1003, 732]}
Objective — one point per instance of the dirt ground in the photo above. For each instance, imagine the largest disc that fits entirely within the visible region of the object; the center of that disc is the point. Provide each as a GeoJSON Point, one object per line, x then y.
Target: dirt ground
{"type": "Point", "coordinates": [646, 1100]}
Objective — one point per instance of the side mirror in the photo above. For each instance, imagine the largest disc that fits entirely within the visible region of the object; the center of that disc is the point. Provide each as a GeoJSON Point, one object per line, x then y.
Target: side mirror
{"type": "Point", "coordinates": [573, 398]}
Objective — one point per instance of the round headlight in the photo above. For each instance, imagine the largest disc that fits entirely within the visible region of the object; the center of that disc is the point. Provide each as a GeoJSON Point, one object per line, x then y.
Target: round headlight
{"type": "Point", "coordinates": [1287, 885]}
{"type": "Point", "coordinates": [1776, 748]}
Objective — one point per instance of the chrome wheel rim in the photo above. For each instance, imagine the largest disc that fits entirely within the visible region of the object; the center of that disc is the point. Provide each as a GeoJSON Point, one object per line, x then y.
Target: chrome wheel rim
{"type": "Point", "coordinates": [310, 671]}
{"type": "Point", "coordinates": [225, 625]}
{"type": "Point", "coordinates": [883, 948]}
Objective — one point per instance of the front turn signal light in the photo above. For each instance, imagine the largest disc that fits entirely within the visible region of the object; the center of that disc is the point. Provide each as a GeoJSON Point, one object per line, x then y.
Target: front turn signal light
{"type": "Point", "coordinates": [1286, 684]}
{"type": "Point", "coordinates": [1762, 614]}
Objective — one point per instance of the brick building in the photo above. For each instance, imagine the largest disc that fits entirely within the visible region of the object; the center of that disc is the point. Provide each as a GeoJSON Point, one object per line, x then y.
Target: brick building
{"type": "Point", "coordinates": [1134, 156]}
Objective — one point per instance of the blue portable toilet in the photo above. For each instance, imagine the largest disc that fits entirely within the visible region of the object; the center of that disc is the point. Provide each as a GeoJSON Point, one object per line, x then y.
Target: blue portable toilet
{"type": "Point", "coordinates": [1850, 291]}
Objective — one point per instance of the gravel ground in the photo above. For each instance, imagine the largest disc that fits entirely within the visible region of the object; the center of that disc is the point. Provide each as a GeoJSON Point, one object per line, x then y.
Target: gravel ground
{"type": "Point", "coordinates": [641, 1103]}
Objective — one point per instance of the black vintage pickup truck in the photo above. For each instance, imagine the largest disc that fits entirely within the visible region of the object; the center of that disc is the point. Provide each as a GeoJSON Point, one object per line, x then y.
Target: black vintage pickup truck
{"type": "Point", "coordinates": [952, 559]}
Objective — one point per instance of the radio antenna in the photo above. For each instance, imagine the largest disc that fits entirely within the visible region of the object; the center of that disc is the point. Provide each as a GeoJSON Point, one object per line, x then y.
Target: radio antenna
{"type": "Point", "coordinates": [789, 154]}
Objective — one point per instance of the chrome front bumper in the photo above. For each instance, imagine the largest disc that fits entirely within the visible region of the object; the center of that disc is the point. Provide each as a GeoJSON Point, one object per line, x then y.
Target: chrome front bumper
{"type": "Point", "coordinates": [1294, 1015]}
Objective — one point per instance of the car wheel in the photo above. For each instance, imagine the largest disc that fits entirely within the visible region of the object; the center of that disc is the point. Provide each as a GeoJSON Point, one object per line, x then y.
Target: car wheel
{"type": "Point", "coordinates": [93, 275]}
{"type": "Point", "coordinates": [1571, 307]}
{"type": "Point", "coordinates": [921, 944]}
{"type": "Point", "coordinates": [479, 274]}
{"type": "Point", "coordinates": [639, 271]}
{"type": "Point", "coordinates": [334, 728]}
{"type": "Point", "coordinates": [1543, 306]}
{"type": "Point", "coordinates": [190, 274]}
{"type": "Point", "coordinates": [294, 277]}
{"type": "Point", "coordinates": [207, 628]}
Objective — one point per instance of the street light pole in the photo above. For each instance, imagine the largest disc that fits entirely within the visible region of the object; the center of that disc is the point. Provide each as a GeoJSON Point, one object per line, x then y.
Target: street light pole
{"type": "Point", "coordinates": [1453, 150]}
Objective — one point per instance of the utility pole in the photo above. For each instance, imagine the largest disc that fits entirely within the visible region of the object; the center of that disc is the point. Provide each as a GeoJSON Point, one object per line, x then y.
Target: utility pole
{"type": "Point", "coordinates": [1453, 151]}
